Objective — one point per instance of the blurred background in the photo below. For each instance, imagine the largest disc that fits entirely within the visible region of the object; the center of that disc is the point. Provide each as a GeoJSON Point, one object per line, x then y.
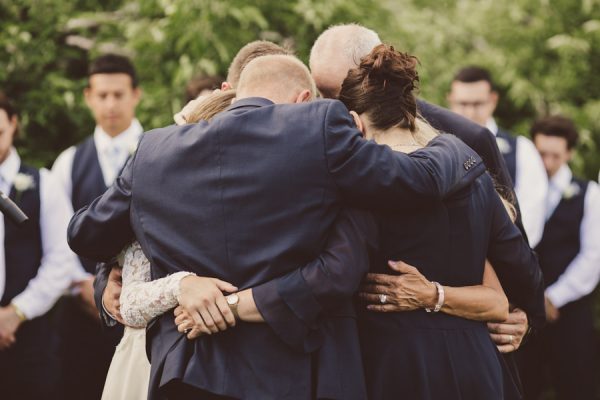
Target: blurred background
{"type": "Point", "coordinates": [543, 54]}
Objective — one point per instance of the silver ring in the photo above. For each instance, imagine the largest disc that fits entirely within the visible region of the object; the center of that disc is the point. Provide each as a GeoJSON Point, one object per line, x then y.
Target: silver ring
{"type": "Point", "coordinates": [383, 298]}
{"type": "Point", "coordinates": [511, 339]}
{"type": "Point", "coordinates": [188, 330]}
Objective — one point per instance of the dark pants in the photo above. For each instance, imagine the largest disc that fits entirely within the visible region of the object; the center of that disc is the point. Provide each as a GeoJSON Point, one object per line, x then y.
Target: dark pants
{"type": "Point", "coordinates": [29, 369]}
{"type": "Point", "coordinates": [181, 391]}
{"type": "Point", "coordinates": [561, 356]}
{"type": "Point", "coordinates": [85, 352]}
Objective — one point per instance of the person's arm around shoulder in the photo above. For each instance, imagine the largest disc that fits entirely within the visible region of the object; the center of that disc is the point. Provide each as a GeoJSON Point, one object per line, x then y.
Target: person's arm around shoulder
{"type": "Point", "coordinates": [370, 175]}
{"type": "Point", "coordinates": [101, 230]}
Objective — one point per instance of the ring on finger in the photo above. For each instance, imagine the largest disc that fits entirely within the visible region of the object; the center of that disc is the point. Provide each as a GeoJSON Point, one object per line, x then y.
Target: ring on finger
{"type": "Point", "coordinates": [511, 339]}
{"type": "Point", "coordinates": [383, 298]}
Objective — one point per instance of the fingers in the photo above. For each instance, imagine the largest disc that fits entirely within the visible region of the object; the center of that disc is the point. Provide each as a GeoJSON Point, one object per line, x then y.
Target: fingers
{"type": "Point", "coordinates": [371, 297]}
{"type": "Point", "coordinates": [506, 329]}
{"type": "Point", "coordinates": [217, 318]}
{"type": "Point", "coordinates": [226, 311]}
{"type": "Point", "coordinates": [208, 321]}
{"type": "Point", "coordinates": [194, 333]}
{"type": "Point", "coordinates": [516, 316]}
{"type": "Point", "coordinates": [501, 339]}
{"type": "Point", "coordinates": [375, 289]}
{"type": "Point", "coordinates": [506, 348]}
{"type": "Point", "coordinates": [178, 311]}
{"type": "Point", "coordinates": [381, 279]}
{"type": "Point", "coordinates": [224, 286]}
{"type": "Point", "coordinates": [199, 324]}
{"type": "Point", "coordinates": [402, 267]}
{"type": "Point", "coordinates": [382, 308]}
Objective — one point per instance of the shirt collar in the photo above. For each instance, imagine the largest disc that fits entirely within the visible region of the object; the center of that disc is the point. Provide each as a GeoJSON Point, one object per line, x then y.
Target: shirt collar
{"type": "Point", "coordinates": [10, 167]}
{"type": "Point", "coordinates": [492, 126]}
{"type": "Point", "coordinates": [562, 178]}
{"type": "Point", "coordinates": [126, 139]}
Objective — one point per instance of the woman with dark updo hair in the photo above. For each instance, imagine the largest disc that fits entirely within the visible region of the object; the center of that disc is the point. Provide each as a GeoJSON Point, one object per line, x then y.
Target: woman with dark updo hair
{"type": "Point", "coordinates": [423, 332]}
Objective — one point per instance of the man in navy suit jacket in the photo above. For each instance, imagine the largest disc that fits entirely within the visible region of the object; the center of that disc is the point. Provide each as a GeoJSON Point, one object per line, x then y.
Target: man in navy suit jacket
{"type": "Point", "coordinates": [247, 198]}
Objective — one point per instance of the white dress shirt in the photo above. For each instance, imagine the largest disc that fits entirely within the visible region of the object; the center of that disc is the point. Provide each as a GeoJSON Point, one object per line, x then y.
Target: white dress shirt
{"type": "Point", "coordinates": [531, 186]}
{"type": "Point", "coordinates": [112, 155]}
{"type": "Point", "coordinates": [58, 261]}
{"type": "Point", "coordinates": [582, 275]}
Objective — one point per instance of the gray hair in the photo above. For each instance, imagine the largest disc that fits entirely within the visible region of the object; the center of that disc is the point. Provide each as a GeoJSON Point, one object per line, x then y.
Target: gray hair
{"type": "Point", "coordinates": [351, 41]}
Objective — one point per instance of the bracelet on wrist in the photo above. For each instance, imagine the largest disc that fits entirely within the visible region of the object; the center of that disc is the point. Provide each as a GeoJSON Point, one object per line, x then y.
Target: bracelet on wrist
{"type": "Point", "coordinates": [440, 300]}
{"type": "Point", "coordinates": [19, 313]}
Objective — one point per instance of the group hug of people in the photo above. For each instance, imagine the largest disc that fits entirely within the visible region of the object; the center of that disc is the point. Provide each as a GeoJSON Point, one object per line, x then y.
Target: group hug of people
{"type": "Point", "coordinates": [301, 233]}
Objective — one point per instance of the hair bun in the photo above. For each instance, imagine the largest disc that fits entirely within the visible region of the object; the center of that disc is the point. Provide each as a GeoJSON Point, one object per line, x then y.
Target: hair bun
{"type": "Point", "coordinates": [386, 66]}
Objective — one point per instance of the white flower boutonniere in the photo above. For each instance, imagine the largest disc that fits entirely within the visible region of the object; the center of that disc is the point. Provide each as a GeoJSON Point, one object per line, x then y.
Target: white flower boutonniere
{"type": "Point", "coordinates": [22, 183]}
{"type": "Point", "coordinates": [132, 148]}
{"type": "Point", "coordinates": [503, 145]}
{"type": "Point", "coordinates": [571, 191]}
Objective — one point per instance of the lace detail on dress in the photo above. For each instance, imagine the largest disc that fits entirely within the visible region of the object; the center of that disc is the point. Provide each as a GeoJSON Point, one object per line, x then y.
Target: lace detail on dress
{"type": "Point", "coordinates": [143, 299]}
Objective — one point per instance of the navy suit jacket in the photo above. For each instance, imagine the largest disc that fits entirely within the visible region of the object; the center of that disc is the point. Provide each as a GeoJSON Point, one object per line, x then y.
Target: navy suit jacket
{"type": "Point", "coordinates": [250, 197]}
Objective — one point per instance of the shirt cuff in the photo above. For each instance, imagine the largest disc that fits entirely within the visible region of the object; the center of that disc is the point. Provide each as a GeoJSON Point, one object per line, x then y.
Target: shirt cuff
{"type": "Point", "coordinates": [24, 303]}
{"type": "Point", "coordinates": [559, 295]}
{"type": "Point", "coordinates": [109, 319]}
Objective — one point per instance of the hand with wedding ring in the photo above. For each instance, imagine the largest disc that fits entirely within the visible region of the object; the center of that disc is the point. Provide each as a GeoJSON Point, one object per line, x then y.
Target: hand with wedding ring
{"type": "Point", "coordinates": [508, 335]}
{"type": "Point", "coordinates": [405, 292]}
{"type": "Point", "coordinates": [203, 300]}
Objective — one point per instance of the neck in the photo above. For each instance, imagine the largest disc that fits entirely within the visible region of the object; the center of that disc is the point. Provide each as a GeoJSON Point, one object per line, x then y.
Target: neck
{"type": "Point", "coordinates": [399, 139]}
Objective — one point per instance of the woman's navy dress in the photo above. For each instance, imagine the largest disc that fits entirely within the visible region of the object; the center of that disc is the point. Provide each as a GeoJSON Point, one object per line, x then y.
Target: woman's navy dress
{"type": "Point", "coordinates": [419, 355]}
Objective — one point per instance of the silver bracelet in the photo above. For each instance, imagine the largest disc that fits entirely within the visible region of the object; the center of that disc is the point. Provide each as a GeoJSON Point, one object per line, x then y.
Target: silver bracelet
{"type": "Point", "coordinates": [441, 298]}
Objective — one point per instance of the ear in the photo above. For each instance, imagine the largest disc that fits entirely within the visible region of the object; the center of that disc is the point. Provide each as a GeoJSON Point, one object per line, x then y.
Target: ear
{"type": "Point", "coordinates": [87, 95]}
{"type": "Point", "coordinates": [226, 86]}
{"type": "Point", "coordinates": [304, 96]}
{"type": "Point", "coordinates": [494, 99]}
{"type": "Point", "coordinates": [137, 94]}
{"type": "Point", "coordinates": [358, 122]}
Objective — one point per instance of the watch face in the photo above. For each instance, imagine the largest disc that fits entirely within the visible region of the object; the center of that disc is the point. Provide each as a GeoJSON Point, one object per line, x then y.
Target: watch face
{"type": "Point", "coordinates": [232, 299]}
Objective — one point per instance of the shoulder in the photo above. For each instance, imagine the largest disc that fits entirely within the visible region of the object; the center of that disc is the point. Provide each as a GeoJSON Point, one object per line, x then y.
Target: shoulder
{"type": "Point", "coordinates": [65, 158]}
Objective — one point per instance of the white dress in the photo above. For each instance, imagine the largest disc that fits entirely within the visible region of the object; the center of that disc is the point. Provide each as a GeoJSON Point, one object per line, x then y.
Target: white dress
{"type": "Point", "coordinates": [141, 301]}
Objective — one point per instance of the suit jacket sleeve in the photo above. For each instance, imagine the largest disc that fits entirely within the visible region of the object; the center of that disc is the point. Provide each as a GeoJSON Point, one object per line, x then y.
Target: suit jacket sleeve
{"type": "Point", "coordinates": [516, 265]}
{"type": "Point", "coordinates": [102, 229]}
{"type": "Point", "coordinates": [369, 175]}
{"type": "Point", "coordinates": [293, 303]}
{"type": "Point", "coordinates": [100, 282]}
{"type": "Point", "coordinates": [479, 139]}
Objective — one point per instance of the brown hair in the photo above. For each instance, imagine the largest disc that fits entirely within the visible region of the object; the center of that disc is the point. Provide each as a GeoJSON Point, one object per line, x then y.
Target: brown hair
{"type": "Point", "coordinates": [383, 87]}
{"type": "Point", "coordinates": [200, 83]}
{"type": "Point", "coordinates": [9, 108]}
{"type": "Point", "coordinates": [556, 125]}
{"type": "Point", "coordinates": [210, 106]}
{"type": "Point", "coordinates": [249, 52]}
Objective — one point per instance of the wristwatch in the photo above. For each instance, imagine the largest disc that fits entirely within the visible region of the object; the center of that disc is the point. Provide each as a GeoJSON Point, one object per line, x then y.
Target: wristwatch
{"type": "Point", "coordinates": [233, 301]}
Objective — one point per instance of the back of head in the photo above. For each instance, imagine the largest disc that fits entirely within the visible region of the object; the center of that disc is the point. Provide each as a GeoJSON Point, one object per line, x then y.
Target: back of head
{"type": "Point", "coordinates": [337, 50]}
{"type": "Point", "coordinates": [279, 78]}
{"type": "Point", "coordinates": [472, 74]}
{"type": "Point", "coordinates": [382, 87]}
{"type": "Point", "coordinates": [249, 52]}
{"type": "Point", "coordinates": [113, 64]}
{"type": "Point", "coordinates": [558, 126]}
{"type": "Point", "coordinates": [201, 85]}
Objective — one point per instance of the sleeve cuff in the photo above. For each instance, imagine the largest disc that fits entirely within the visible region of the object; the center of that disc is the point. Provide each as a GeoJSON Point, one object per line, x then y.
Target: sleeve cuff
{"type": "Point", "coordinates": [26, 307]}
{"type": "Point", "coordinates": [558, 295]}
{"type": "Point", "coordinates": [284, 322]}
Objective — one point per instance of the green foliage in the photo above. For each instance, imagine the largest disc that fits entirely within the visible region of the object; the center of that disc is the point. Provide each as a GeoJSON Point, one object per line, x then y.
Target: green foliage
{"type": "Point", "coordinates": [543, 54]}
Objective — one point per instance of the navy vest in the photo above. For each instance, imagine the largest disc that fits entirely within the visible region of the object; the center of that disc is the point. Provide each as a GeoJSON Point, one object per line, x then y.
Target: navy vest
{"type": "Point", "coordinates": [509, 153]}
{"type": "Point", "coordinates": [87, 183]}
{"type": "Point", "coordinates": [23, 244]}
{"type": "Point", "coordinates": [560, 243]}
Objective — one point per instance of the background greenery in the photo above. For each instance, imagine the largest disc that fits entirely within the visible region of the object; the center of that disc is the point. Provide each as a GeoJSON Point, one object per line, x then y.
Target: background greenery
{"type": "Point", "coordinates": [544, 54]}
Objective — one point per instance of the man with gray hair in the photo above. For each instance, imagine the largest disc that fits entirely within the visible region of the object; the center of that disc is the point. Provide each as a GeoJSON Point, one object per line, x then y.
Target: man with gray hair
{"type": "Point", "coordinates": [339, 49]}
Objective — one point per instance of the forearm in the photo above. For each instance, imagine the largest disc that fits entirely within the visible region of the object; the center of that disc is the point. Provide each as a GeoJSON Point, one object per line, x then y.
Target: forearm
{"type": "Point", "coordinates": [247, 309]}
{"type": "Point", "coordinates": [479, 303]}
{"type": "Point", "coordinates": [143, 301]}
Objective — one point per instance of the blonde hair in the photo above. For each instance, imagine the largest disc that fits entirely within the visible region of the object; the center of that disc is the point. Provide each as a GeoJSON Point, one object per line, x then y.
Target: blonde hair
{"type": "Point", "coordinates": [211, 105]}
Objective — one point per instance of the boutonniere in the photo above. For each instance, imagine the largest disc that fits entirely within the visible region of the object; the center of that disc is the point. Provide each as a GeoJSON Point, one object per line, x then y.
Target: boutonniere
{"type": "Point", "coordinates": [22, 183]}
{"type": "Point", "coordinates": [571, 191]}
{"type": "Point", "coordinates": [133, 147]}
{"type": "Point", "coordinates": [503, 145]}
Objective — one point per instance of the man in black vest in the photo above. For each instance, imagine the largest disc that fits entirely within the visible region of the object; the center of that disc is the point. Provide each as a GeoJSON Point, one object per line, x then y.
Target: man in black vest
{"type": "Point", "coordinates": [35, 264]}
{"type": "Point", "coordinates": [85, 172]}
{"type": "Point", "coordinates": [473, 96]}
{"type": "Point", "coordinates": [561, 356]}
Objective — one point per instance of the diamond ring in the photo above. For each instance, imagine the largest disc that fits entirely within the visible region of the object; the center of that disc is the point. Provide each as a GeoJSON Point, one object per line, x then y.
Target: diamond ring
{"type": "Point", "coordinates": [383, 298]}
